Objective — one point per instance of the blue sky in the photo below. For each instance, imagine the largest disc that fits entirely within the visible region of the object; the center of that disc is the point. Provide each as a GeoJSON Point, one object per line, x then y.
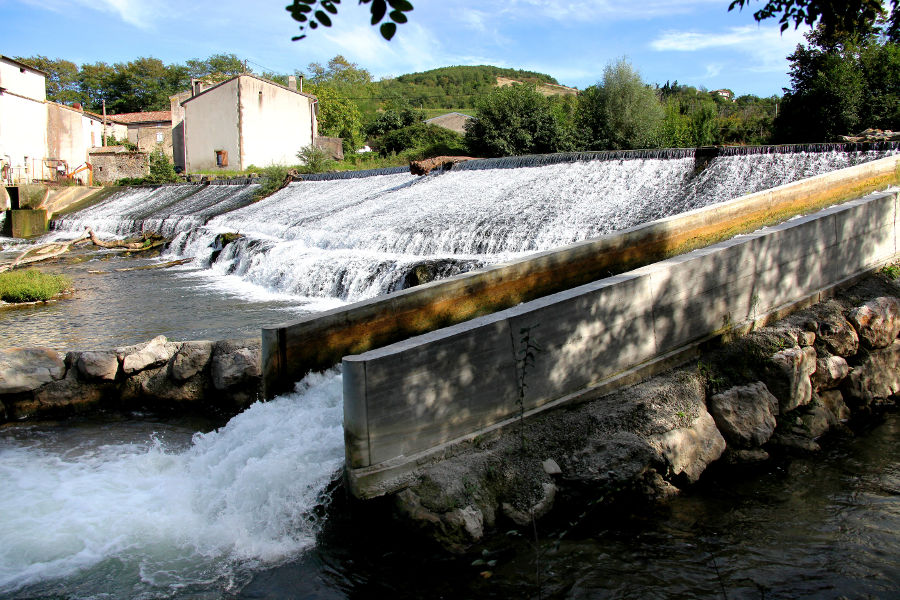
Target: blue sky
{"type": "Point", "coordinates": [697, 42]}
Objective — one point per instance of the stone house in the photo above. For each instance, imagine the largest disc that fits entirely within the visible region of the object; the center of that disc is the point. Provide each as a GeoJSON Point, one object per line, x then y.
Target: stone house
{"type": "Point", "coordinates": [148, 130]}
{"type": "Point", "coordinates": [243, 121]}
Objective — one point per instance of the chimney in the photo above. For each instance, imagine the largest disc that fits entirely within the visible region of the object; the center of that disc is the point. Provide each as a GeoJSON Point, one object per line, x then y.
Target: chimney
{"type": "Point", "coordinates": [196, 87]}
{"type": "Point", "coordinates": [77, 106]}
{"type": "Point", "coordinates": [292, 82]}
{"type": "Point", "coordinates": [301, 84]}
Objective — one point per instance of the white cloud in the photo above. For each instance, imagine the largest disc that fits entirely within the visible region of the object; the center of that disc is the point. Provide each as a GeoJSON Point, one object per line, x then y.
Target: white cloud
{"type": "Point", "coordinates": [766, 46]}
{"type": "Point", "coordinates": [143, 14]}
{"type": "Point", "coordinates": [604, 10]}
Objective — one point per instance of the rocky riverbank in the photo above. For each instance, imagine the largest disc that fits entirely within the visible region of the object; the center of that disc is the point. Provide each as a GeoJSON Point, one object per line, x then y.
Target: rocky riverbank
{"type": "Point", "coordinates": [220, 377]}
{"type": "Point", "coordinates": [779, 389]}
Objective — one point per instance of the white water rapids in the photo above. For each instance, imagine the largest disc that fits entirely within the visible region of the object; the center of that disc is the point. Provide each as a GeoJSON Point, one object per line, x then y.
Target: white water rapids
{"type": "Point", "coordinates": [139, 518]}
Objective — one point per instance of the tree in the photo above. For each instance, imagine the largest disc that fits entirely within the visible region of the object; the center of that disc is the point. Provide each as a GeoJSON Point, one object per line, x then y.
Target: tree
{"type": "Point", "coordinates": [621, 112]}
{"type": "Point", "coordinates": [217, 67]}
{"type": "Point", "coordinates": [514, 120]}
{"type": "Point", "coordinates": [144, 84]}
{"type": "Point", "coordinates": [304, 12]}
{"type": "Point", "coordinates": [836, 17]}
{"type": "Point", "coordinates": [399, 114]}
{"type": "Point", "coordinates": [338, 116]}
{"type": "Point", "coordinates": [339, 72]}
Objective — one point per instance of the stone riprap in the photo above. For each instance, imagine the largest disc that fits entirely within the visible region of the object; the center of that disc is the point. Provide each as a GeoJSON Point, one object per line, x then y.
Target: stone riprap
{"type": "Point", "coordinates": [742, 402]}
{"type": "Point", "coordinates": [214, 377]}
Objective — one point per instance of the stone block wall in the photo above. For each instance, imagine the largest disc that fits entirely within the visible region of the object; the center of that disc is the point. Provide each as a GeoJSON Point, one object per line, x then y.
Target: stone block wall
{"type": "Point", "coordinates": [114, 163]}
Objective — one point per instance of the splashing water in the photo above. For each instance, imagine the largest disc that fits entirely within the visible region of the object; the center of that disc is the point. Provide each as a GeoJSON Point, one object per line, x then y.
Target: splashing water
{"type": "Point", "coordinates": [144, 518]}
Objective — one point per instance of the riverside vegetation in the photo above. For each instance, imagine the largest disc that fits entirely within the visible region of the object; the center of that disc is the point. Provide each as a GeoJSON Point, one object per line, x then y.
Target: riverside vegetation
{"type": "Point", "coordinates": [31, 285]}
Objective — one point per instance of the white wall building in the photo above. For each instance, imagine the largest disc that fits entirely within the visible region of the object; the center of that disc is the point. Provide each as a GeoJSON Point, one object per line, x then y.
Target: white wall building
{"type": "Point", "coordinates": [246, 120]}
{"type": "Point", "coordinates": [23, 120]}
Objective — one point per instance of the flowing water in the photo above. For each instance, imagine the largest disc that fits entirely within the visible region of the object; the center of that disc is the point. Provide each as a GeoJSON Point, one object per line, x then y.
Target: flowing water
{"type": "Point", "coordinates": [145, 509]}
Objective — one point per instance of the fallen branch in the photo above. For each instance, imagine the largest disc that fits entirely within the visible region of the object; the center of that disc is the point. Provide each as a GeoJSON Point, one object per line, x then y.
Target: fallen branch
{"type": "Point", "coordinates": [165, 265]}
{"type": "Point", "coordinates": [144, 244]}
{"type": "Point", "coordinates": [40, 253]}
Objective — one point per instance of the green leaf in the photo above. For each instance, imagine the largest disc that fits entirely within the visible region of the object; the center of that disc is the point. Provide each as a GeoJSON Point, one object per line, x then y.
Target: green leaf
{"type": "Point", "coordinates": [402, 5]}
{"type": "Point", "coordinates": [397, 16]}
{"type": "Point", "coordinates": [388, 30]}
{"type": "Point", "coordinates": [323, 18]}
{"type": "Point", "coordinates": [329, 7]}
{"type": "Point", "coordinates": [379, 7]}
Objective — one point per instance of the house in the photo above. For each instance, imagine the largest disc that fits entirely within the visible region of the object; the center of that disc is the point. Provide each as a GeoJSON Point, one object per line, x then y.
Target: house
{"type": "Point", "coordinates": [148, 130]}
{"type": "Point", "coordinates": [453, 121]}
{"type": "Point", "coordinates": [724, 93]}
{"type": "Point", "coordinates": [23, 120]}
{"type": "Point", "coordinates": [246, 120]}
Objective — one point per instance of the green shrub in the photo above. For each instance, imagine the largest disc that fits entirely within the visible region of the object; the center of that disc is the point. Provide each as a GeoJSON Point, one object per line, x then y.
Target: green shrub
{"type": "Point", "coordinates": [272, 179]}
{"type": "Point", "coordinates": [161, 170]}
{"type": "Point", "coordinates": [418, 136]}
{"type": "Point", "coordinates": [315, 159]}
{"type": "Point", "coordinates": [31, 285]}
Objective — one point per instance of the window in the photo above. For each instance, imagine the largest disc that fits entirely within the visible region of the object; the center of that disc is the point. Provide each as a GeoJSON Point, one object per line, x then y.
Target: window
{"type": "Point", "coordinates": [221, 158]}
{"type": "Point", "coordinates": [159, 137]}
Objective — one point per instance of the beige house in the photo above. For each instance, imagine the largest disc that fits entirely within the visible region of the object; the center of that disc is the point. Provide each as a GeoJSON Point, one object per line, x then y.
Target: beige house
{"type": "Point", "coordinates": [246, 120]}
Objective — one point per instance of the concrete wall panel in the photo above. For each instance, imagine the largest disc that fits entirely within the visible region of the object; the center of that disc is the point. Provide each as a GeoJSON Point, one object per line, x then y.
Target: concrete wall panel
{"type": "Point", "coordinates": [430, 391]}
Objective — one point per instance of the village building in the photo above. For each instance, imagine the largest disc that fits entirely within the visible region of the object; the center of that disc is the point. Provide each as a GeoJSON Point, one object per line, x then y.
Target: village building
{"type": "Point", "coordinates": [148, 130]}
{"type": "Point", "coordinates": [246, 120]}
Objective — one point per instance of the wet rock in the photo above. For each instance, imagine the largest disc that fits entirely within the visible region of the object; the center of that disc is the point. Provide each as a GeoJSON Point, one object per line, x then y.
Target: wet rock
{"type": "Point", "coordinates": [236, 363]}
{"type": "Point", "coordinates": [745, 414]}
{"type": "Point", "coordinates": [432, 270]}
{"type": "Point", "coordinates": [26, 369]}
{"type": "Point", "coordinates": [833, 400]}
{"type": "Point", "coordinates": [830, 372]}
{"type": "Point", "coordinates": [794, 442]}
{"type": "Point", "coordinates": [221, 240]}
{"type": "Point", "coordinates": [877, 376]}
{"type": "Point", "coordinates": [688, 450]}
{"type": "Point", "coordinates": [3, 416]}
{"type": "Point", "coordinates": [877, 322]}
{"type": "Point", "coordinates": [154, 353]}
{"type": "Point", "coordinates": [787, 377]}
{"type": "Point", "coordinates": [524, 518]}
{"type": "Point", "coordinates": [817, 420]}
{"type": "Point", "coordinates": [155, 389]}
{"type": "Point", "coordinates": [102, 366]}
{"type": "Point", "coordinates": [741, 456]}
{"type": "Point", "coordinates": [191, 359]}
{"type": "Point", "coordinates": [66, 396]}
{"type": "Point", "coordinates": [551, 467]}
{"type": "Point", "coordinates": [456, 529]}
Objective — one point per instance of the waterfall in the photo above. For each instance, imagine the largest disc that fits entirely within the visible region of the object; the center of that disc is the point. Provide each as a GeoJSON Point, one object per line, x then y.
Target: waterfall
{"type": "Point", "coordinates": [350, 236]}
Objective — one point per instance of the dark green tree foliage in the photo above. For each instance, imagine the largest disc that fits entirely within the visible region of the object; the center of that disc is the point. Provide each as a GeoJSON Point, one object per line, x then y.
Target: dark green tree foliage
{"type": "Point", "coordinates": [398, 115]}
{"type": "Point", "coordinates": [144, 84]}
{"type": "Point", "coordinates": [217, 67]}
{"type": "Point", "coordinates": [839, 86]}
{"type": "Point", "coordinates": [514, 120]}
{"type": "Point", "coordinates": [313, 13]}
{"type": "Point", "coordinates": [339, 72]}
{"type": "Point", "coordinates": [431, 139]}
{"type": "Point", "coordinates": [161, 169]}
{"type": "Point", "coordinates": [836, 17]}
{"type": "Point", "coordinates": [621, 112]}
{"type": "Point", "coordinates": [338, 116]}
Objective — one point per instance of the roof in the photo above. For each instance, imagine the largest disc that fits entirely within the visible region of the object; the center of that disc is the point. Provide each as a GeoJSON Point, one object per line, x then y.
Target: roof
{"type": "Point", "coordinates": [142, 117]}
{"type": "Point", "coordinates": [453, 121]}
{"type": "Point", "coordinates": [25, 65]}
{"type": "Point", "coordinates": [251, 75]}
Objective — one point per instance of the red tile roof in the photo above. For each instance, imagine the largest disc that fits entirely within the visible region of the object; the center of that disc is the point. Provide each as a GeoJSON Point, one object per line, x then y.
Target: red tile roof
{"type": "Point", "coordinates": [142, 117]}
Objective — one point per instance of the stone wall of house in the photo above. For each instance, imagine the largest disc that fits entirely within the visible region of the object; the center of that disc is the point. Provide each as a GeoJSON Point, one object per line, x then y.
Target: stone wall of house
{"type": "Point", "coordinates": [115, 162]}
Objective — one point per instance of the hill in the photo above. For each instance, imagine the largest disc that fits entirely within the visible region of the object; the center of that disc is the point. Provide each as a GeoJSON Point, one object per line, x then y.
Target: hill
{"type": "Point", "coordinates": [457, 87]}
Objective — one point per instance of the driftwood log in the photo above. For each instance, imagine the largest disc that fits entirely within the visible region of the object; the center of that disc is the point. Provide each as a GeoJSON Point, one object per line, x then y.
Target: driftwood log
{"type": "Point", "coordinates": [424, 167]}
{"type": "Point", "coordinates": [54, 249]}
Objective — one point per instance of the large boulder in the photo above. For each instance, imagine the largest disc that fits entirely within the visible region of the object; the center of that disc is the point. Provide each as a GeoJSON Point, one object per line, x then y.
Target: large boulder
{"type": "Point", "coordinates": [154, 353]}
{"type": "Point", "coordinates": [99, 366]}
{"type": "Point", "coordinates": [27, 369]}
{"type": "Point", "coordinates": [236, 363]}
{"type": "Point", "coordinates": [787, 377]}
{"type": "Point", "coordinates": [834, 334]}
{"type": "Point", "coordinates": [877, 322]}
{"type": "Point", "coordinates": [830, 372]}
{"type": "Point", "coordinates": [745, 414]}
{"type": "Point", "coordinates": [689, 450]}
{"type": "Point", "coordinates": [876, 377]}
{"type": "Point", "coordinates": [191, 359]}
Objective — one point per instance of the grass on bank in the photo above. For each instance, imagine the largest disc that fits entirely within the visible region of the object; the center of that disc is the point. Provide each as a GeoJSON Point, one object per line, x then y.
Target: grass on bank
{"type": "Point", "coordinates": [31, 285]}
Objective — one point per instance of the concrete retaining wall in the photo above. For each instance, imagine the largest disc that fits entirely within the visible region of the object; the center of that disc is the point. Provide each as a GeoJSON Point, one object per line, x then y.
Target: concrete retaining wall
{"type": "Point", "coordinates": [407, 402]}
{"type": "Point", "coordinates": [320, 341]}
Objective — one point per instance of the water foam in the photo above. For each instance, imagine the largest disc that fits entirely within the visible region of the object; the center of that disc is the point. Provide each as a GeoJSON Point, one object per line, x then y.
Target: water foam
{"type": "Point", "coordinates": [236, 498]}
